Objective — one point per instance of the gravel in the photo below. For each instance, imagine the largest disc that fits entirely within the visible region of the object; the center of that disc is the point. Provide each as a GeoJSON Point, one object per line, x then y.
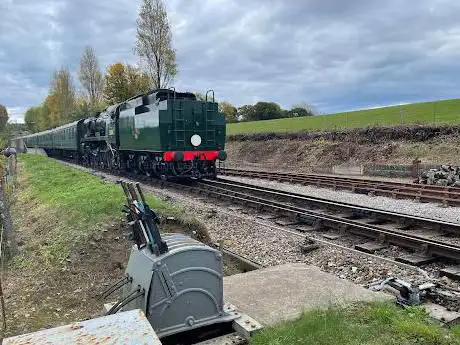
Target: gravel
{"type": "Point", "coordinates": [406, 206]}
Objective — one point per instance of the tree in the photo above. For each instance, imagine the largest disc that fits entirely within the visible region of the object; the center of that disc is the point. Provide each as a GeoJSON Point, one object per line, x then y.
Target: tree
{"type": "Point", "coordinates": [31, 118]}
{"type": "Point", "coordinates": [199, 96]}
{"type": "Point", "coordinates": [154, 43]}
{"type": "Point", "coordinates": [123, 82]}
{"type": "Point", "coordinates": [61, 99]}
{"type": "Point", "coordinates": [136, 81]}
{"type": "Point", "coordinates": [3, 117]}
{"type": "Point", "coordinates": [115, 84]}
{"type": "Point", "coordinates": [302, 109]}
{"type": "Point", "coordinates": [90, 75]}
{"type": "Point", "coordinates": [230, 112]}
{"type": "Point", "coordinates": [58, 107]}
{"type": "Point", "coordinates": [267, 111]}
{"type": "Point", "coordinates": [83, 108]}
{"type": "Point", "coordinates": [260, 111]}
{"type": "Point", "coordinates": [246, 112]}
{"type": "Point", "coordinates": [39, 118]}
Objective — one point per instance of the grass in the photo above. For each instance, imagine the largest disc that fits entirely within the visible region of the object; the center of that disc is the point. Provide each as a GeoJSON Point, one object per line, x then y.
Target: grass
{"type": "Point", "coordinates": [368, 324]}
{"type": "Point", "coordinates": [67, 206]}
{"type": "Point", "coordinates": [86, 199]}
{"type": "Point", "coordinates": [439, 112]}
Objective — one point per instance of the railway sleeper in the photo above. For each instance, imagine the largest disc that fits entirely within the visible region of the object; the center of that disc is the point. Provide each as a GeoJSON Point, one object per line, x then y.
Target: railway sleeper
{"type": "Point", "coordinates": [287, 222]}
{"type": "Point", "coordinates": [370, 247]}
{"type": "Point", "coordinates": [416, 259]}
{"type": "Point", "coordinates": [452, 272]}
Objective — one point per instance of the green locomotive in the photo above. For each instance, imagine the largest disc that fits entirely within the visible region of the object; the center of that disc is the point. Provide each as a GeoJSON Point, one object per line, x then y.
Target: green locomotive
{"type": "Point", "coordinates": [162, 133]}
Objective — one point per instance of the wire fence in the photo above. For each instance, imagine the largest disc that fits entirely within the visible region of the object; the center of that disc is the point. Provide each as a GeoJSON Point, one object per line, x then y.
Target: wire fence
{"type": "Point", "coordinates": [8, 244]}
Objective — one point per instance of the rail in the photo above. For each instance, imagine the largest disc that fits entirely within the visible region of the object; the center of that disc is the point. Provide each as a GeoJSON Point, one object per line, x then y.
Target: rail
{"type": "Point", "coordinates": [419, 192]}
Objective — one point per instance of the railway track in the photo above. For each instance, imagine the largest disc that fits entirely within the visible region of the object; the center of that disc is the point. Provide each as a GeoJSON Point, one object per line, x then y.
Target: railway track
{"type": "Point", "coordinates": [427, 238]}
{"type": "Point", "coordinates": [420, 235]}
{"type": "Point", "coordinates": [448, 196]}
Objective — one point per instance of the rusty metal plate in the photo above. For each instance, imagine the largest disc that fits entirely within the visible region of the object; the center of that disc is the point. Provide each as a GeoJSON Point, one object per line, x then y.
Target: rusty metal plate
{"type": "Point", "coordinates": [126, 328]}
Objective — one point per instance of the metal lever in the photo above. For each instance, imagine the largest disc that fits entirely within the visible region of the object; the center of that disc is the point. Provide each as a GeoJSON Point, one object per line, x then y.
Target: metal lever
{"type": "Point", "coordinates": [142, 219]}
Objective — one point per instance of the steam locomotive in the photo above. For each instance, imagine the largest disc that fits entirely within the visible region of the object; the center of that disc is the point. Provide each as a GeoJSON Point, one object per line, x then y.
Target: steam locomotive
{"type": "Point", "coordinates": [162, 133]}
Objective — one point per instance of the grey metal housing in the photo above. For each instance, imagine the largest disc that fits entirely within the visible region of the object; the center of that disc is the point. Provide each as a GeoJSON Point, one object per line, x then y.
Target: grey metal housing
{"type": "Point", "coordinates": [183, 287]}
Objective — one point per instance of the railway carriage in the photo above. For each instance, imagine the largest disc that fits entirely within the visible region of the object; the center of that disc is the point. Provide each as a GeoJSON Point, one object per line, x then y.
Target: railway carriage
{"type": "Point", "coordinates": [66, 140]}
{"type": "Point", "coordinates": [162, 133]}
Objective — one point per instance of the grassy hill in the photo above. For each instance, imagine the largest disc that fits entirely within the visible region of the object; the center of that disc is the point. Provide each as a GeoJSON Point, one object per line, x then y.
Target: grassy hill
{"type": "Point", "coordinates": [447, 111]}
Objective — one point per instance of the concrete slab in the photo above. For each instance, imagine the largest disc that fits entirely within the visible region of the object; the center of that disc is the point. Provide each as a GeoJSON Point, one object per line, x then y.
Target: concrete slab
{"type": "Point", "coordinates": [283, 292]}
{"type": "Point", "coordinates": [130, 327]}
{"type": "Point", "coordinates": [440, 313]}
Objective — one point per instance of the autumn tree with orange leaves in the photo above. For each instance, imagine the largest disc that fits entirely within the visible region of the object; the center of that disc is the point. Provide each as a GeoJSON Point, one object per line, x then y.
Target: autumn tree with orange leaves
{"type": "Point", "coordinates": [123, 82]}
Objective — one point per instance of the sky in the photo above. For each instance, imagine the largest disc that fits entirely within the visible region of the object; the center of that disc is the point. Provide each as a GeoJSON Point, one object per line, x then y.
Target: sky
{"type": "Point", "coordinates": [335, 55]}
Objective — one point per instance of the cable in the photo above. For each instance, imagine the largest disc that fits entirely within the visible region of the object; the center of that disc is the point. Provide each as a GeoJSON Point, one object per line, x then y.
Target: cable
{"type": "Point", "coordinates": [115, 287]}
{"type": "Point", "coordinates": [115, 306]}
{"type": "Point", "coordinates": [126, 301]}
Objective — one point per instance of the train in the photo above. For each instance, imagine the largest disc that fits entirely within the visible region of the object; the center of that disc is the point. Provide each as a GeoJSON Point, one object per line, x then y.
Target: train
{"type": "Point", "coordinates": [162, 133]}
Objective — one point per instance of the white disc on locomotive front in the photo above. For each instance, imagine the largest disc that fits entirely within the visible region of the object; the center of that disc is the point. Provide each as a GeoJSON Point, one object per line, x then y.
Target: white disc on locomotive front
{"type": "Point", "coordinates": [195, 140]}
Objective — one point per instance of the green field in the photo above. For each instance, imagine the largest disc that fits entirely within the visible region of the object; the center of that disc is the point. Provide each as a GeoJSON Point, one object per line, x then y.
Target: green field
{"type": "Point", "coordinates": [439, 112]}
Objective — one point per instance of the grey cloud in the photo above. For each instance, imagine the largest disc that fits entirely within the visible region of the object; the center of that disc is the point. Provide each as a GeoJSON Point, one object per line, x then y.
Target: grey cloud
{"type": "Point", "coordinates": [335, 54]}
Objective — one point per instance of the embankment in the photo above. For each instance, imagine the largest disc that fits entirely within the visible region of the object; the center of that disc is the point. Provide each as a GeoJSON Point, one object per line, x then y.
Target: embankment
{"type": "Point", "coordinates": [320, 150]}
